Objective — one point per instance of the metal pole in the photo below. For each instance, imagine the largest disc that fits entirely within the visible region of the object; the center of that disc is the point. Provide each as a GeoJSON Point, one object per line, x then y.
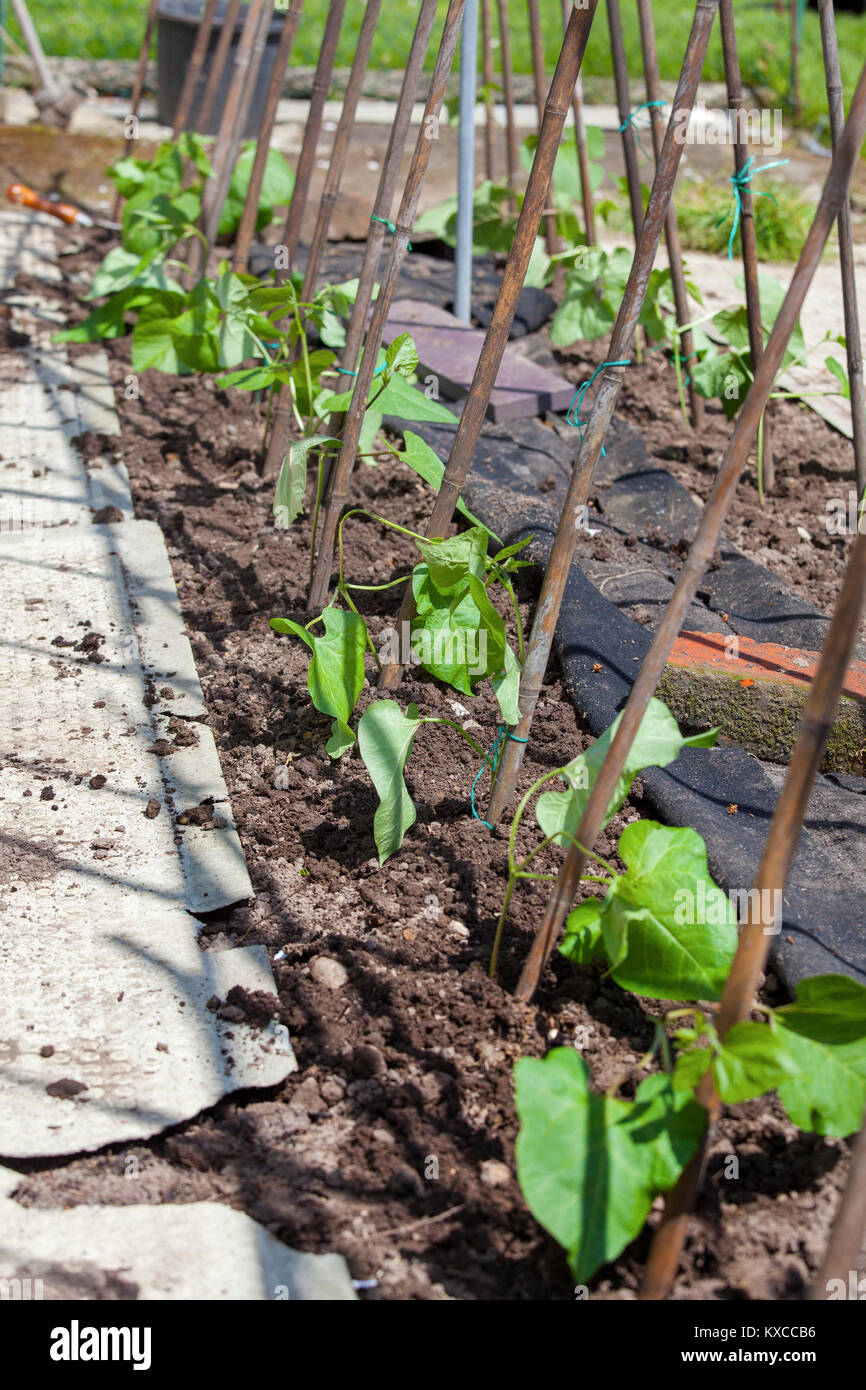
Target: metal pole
{"type": "Point", "coordinates": [466, 161]}
{"type": "Point", "coordinates": [247, 227]}
{"type": "Point", "coordinates": [846, 251]}
{"type": "Point", "coordinates": [496, 339]}
{"type": "Point", "coordinates": [701, 551]}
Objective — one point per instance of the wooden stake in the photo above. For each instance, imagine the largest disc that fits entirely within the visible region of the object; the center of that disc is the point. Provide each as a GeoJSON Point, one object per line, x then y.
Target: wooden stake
{"type": "Point", "coordinates": [383, 206]}
{"type": "Point", "coordinates": [487, 75]}
{"type": "Point", "coordinates": [247, 227]}
{"type": "Point", "coordinates": [685, 342]}
{"type": "Point", "coordinates": [539, 76]}
{"type": "Point", "coordinates": [581, 149]}
{"type": "Point", "coordinates": [217, 67]}
{"type": "Point", "coordinates": [193, 72]}
{"type": "Point", "coordinates": [496, 338]}
{"type": "Point", "coordinates": [849, 1228]}
{"type": "Point", "coordinates": [761, 925]}
{"type": "Point", "coordinates": [340, 147]}
{"type": "Point", "coordinates": [796, 35]}
{"type": "Point", "coordinates": [281, 414]}
{"type": "Point", "coordinates": [627, 131]}
{"type": "Point", "coordinates": [609, 382]}
{"type": "Point", "coordinates": [736, 104]}
{"type": "Point", "coordinates": [511, 142]}
{"type": "Point", "coordinates": [137, 88]}
{"type": "Point", "coordinates": [701, 551]}
{"type": "Point", "coordinates": [835, 98]}
{"type": "Point", "coordinates": [399, 243]}
{"type": "Point", "coordinates": [246, 69]}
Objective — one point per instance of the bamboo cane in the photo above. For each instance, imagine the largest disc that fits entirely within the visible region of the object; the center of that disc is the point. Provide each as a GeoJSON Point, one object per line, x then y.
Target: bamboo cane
{"type": "Point", "coordinates": [702, 547]}
{"type": "Point", "coordinates": [193, 72]}
{"type": "Point", "coordinates": [581, 149]}
{"type": "Point", "coordinates": [228, 138]}
{"type": "Point", "coordinates": [849, 1228]}
{"type": "Point", "coordinates": [340, 147]}
{"type": "Point", "coordinates": [496, 339]}
{"type": "Point", "coordinates": [246, 70]}
{"type": "Point", "coordinates": [508, 92]}
{"type": "Point", "coordinates": [217, 67]}
{"type": "Point", "coordinates": [247, 227]}
{"type": "Point", "coordinates": [382, 208]}
{"type": "Point", "coordinates": [399, 243]}
{"type": "Point", "coordinates": [291, 234]}
{"type": "Point", "coordinates": [736, 105]}
{"type": "Point", "coordinates": [835, 99]}
{"type": "Point", "coordinates": [131, 139]}
{"type": "Point", "coordinates": [487, 74]}
{"type": "Point", "coordinates": [796, 20]}
{"type": "Point", "coordinates": [685, 346]}
{"type": "Point", "coordinates": [626, 129]}
{"type": "Point", "coordinates": [610, 380]}
{"type": "Point", "coordinates": [281, 414]}
{"type": "Point", "coordinates": [744, 979]}
{"type": "Point", "coordinates": [539, 77]}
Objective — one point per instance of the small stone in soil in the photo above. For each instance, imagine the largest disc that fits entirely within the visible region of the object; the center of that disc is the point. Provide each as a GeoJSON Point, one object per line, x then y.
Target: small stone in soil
{"type": "Point", "coordinates": [152, 809]}
{"type": "Point", "coordinates": [330, 974]}
{"type": "Point", "coordinates": [47, 794]}
{"type": "Point", "coordinates": [97, 782]}
{"type": "Point", "coordinates": [66, 1088]}
{"type": "Point", "coordinates": [494, 1173]}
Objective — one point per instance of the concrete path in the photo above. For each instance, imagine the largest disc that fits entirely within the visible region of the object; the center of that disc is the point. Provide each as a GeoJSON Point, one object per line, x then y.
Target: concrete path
{"type": "Point", "coordinates": [111, 1015]}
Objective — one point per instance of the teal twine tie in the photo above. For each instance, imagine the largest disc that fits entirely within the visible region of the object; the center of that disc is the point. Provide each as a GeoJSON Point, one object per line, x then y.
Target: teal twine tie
{"type": "Point", "coordinates": [347, 371]}
{"type": "Point", "coordinates": [629, 121]}
{"type": "Point", "coordinates": [386, 222]}
{"type": "Point", "coordinates": [741, 180]}
{"type": "Point", "coordinates": [494, 752]}
{"type": "Point", "coordinates": [572, 415]}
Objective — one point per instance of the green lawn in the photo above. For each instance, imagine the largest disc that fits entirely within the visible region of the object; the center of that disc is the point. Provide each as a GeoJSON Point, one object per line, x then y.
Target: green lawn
{"type": "Point", "coordinates": [112, 29]}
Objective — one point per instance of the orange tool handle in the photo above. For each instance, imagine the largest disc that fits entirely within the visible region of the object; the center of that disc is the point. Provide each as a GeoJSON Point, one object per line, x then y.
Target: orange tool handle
{"type": "Point", "coordinates": [20, 193]}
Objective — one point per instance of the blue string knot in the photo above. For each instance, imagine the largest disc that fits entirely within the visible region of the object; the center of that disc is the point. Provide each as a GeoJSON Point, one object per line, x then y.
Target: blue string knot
{"type": "Point", "coordinates": [386, 222]}
{"type": "Point", "coordinates": [742, 180]}
{"type": "Point", "coordinates": [572, 415]}
{"type": "Point", "coordinates": [493, 753]}
{"type": "Point", "coordinates": [629, 120]}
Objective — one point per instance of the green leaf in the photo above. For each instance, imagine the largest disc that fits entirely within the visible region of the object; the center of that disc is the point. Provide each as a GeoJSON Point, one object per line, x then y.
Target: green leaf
{"type": "Point", "coordinates": [669, 932]}
{"type": "Point", "coordinates": [427, 464]}
{"type": "Point", "coordinates": [277, 186]}
{"type": "Point", "coordinates": [506, 688]}
{"type": "Point", "coordinates": [451, 561]}
{"type": "Point", "coordinates": [825, 1035]}
{"type": "Point", "coordinates": [335, 676]}
{"type": "Point", "coordinates": [402, 355]}
{"type": "Point", "coordinates": [400, 399]}
{"type": "Point", "coordinates": [121, 268]}
{"type": "Point", "coordinates": [591, 1166]}
{"type": "Point", "coordinates": [657, 743]}
{"type": "Point", "coordinates": [840, 374]}
{"type": "Point", "coordinates": [292, 482]}
{"type": "Point", "coordinates": [385, 739]}
{"type": "Point", "coordinates": [751, 1061]}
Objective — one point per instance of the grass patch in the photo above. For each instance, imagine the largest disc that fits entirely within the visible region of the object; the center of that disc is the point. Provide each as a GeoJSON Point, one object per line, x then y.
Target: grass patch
{"type": "Point", "coordinates": [705, 213]}
{"type": "Point", "coordinates": [113, 29]}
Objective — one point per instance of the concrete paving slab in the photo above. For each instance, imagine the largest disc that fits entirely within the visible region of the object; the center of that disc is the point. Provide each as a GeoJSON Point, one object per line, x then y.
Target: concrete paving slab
{"type": "Point", "coordinates": [93, 636]}
{"type": "Point", "coordinates": [450, 350]}
{"type": "Point", "coordinates": [27, 247]}
{"type": "Point", "coordinates": [194, 1251]}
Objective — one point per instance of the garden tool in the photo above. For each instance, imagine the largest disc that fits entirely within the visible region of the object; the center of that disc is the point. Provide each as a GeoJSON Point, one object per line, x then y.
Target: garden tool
{"type": "Point", "coordinates": [28, 198]}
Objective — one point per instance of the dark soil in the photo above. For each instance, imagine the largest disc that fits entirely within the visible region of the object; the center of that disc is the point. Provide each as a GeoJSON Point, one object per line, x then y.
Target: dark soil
{"type": "Point", "coordinates": [393, 1143]}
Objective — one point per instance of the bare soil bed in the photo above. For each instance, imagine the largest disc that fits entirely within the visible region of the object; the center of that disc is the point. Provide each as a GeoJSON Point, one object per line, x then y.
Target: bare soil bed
{"type": "Point", "coordinates": [394, 1142]}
